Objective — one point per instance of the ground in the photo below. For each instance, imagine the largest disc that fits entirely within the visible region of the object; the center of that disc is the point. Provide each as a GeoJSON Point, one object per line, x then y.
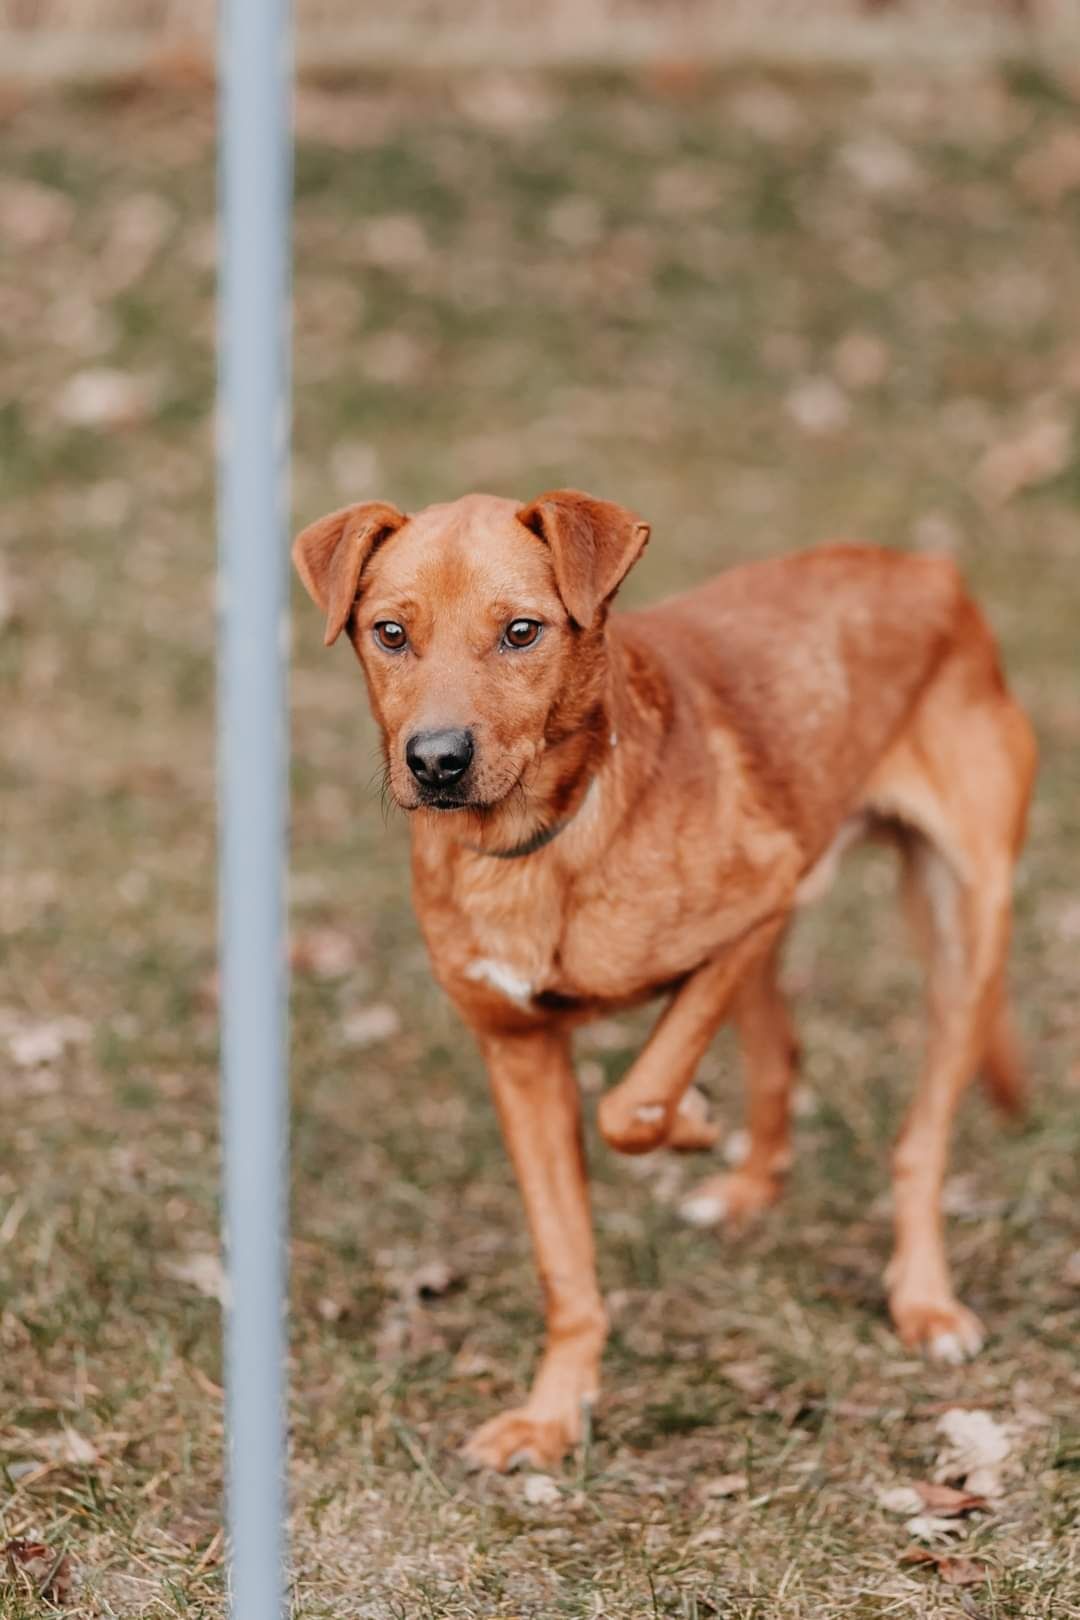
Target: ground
{"type": "Point", "coordinates": [761, 311]}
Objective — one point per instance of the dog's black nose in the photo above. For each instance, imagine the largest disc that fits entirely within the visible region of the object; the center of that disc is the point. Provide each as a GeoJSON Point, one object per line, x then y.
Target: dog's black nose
{"type": "Point", "coordinates": [438, 758]}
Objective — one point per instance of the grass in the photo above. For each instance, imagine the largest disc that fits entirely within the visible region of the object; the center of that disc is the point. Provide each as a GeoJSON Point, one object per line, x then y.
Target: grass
{"type": "Point", "coordinates": [508, 283]}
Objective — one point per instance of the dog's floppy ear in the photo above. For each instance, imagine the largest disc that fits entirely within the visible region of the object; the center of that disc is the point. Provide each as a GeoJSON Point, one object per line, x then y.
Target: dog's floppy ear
{"type": "Point", "coordinates": [594, 544]}
{"type": "Point", "coordinates": [330, 555]}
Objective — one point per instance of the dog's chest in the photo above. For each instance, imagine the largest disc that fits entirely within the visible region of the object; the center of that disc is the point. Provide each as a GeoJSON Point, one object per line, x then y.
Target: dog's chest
{"type": "Point", "coordinates": [498, 934]}
{"type": "Point", "coordinates": [518, 939]}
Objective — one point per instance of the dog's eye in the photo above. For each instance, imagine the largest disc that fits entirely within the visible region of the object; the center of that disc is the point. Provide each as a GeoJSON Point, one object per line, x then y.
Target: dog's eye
{"type": "Point", "coordinates": [521, 633]}
{"type": "Point", "coordinates": [390, 635]}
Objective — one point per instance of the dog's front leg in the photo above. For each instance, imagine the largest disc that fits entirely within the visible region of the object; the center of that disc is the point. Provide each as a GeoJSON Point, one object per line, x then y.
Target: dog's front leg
{"type": "Point", "coordinates": [638, 1114]}
{"type": "Point", "coordinates": [536, 1095]}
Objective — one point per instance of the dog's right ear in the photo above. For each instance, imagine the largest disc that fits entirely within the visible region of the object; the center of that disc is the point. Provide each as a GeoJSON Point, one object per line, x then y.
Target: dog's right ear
{"type": "Point", "coordinates": [331, 553]}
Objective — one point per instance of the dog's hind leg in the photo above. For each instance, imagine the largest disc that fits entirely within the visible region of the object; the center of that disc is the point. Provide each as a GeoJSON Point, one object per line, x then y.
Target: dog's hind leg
{"type": "Point", "coordinates": [770, 1058]}
{"type": "Point", "coordinates": [960, 781]}
{"type": "Point", "coordinates": [963, 993]}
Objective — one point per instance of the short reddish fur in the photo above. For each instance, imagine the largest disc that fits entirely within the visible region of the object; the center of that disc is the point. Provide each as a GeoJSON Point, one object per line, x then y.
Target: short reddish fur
{"type": "Point", "coordinates": [705, 761]}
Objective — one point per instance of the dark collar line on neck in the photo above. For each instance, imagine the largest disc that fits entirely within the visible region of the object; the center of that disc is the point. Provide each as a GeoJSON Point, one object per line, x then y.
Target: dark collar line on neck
{"type": "Point", "coordinates": [530, 845]}
{"type": "Point", "coordinates": [545, 835]}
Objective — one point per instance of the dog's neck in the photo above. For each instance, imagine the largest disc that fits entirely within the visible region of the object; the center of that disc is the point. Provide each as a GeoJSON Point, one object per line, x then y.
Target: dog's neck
{"type": "Point", "coordinates": [534, 843]}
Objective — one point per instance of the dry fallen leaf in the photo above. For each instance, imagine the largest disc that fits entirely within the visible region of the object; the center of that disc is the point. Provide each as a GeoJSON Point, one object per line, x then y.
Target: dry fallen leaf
{"type": "Point", "coordinates": [748, 1376]}
{"type": "Point", "coordinates": [36, 1044]}
{"type": "Point", "coordinates": [506, 103]}
{"type": "Point", "coordinates": [32, 215]}
{"type": "Point", "coordinates": [947, 1502]}
{"type": "Point", "coordinates": [960, 1196]}
{"type": "Point", "coordinates": [932, 1527]}
{"type": "Point", "coordinates": [327, 953]}
{"type": "Point", "coordinates": [953, 1568]}
{"type": "Point", "coordinates": [367, 1026]}
{"type": "Point", "coordinates": [103, 397]}
{"type": "Point", "coordinates": [43, 1570]}
{"type": "Point", "coordinates": [432, 1281]}
{"type": "Point", "coordinates": [203, 1272]}
{"type": "Point", "coordinates": [540, 1491]}
{"type": "Point", "coordinates": [880, 165]}
{"type": "Point", "coordinates": [736, 1148]}
{"type": "Point", "coordinates": [724, 1485]}
{"type": "Point", "coordinates": [960, 1571]}
{"type": "Point", "coordinates": [818, 406]}
{"type": "Point", "coordinates": [1033, 456]}
{"type": "Point", "coordinates": [903, 1499]}
{"type": "Point", "coordinates": [470, 1363]}
{"type": "Point", "coordinates": [76, 1448]}
{"type": "Point", "coordinates": [977, 1449]}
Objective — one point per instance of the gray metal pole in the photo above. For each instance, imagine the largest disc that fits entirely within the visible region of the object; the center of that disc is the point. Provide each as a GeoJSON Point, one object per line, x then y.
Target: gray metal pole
{"type": "Point", "coordinates": [255, 178]}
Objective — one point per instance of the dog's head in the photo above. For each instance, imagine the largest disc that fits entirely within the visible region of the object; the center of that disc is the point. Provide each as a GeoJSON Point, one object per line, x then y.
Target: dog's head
{"type": "Point", "coordinates": [480, 628]}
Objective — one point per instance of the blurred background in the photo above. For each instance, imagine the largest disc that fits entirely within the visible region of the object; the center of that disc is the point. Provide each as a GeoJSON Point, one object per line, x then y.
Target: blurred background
{"type": "Point", "coordinates": [767, 274]}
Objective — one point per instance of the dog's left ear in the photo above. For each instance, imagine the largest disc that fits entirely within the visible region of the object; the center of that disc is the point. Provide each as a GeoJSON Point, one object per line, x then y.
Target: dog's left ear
{"type": "Point", "coordinates": [331, 552]}
{"type": "Point", "coordinates": [594, 544]}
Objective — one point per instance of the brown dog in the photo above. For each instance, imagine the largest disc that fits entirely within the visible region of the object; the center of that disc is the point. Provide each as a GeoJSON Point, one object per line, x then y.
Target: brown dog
{"type": "Point", "coordinates": [609, 810]}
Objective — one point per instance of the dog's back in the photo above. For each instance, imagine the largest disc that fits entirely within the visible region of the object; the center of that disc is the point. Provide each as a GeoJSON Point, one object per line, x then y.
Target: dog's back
{"type": "Point", "coordinates": [813, 660]}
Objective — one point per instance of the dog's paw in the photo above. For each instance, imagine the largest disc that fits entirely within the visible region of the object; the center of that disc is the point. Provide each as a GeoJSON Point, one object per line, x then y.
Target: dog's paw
{"type": "Point", "coordinates": [519, 1439]}
{"type": "Point", "coordinates": [944, 1330]}
{"type": "Point", "coordinates": [729, 1198]}
{"type": "Point", "coordinates": [631, 1126]}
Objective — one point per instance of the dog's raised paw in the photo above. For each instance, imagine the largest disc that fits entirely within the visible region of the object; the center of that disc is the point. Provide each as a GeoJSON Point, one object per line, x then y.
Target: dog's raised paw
{"type": "Point", "coordinates": [632, 1127]}
{"type": "Point", "coordinates": [517, 1439]}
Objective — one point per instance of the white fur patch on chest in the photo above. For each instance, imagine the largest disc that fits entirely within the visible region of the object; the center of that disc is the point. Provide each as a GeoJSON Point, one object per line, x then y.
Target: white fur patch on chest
{"type": "Point", "coordinates": [501, 977]}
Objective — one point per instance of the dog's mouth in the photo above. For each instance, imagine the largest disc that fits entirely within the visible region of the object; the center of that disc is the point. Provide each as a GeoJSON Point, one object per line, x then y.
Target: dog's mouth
{"type": "Point", "coordinates": [448, 801]}
{"type": "Point", "coordinates": [466, 797]}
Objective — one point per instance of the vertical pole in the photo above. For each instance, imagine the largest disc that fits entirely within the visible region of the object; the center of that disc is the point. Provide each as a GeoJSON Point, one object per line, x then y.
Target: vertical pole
{"type": "Point", "coordinates": [255, 181]}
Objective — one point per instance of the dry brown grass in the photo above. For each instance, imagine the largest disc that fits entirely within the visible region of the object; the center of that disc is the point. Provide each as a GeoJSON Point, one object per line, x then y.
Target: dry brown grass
{"type": "Point", "coordinates": [759, 310]}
